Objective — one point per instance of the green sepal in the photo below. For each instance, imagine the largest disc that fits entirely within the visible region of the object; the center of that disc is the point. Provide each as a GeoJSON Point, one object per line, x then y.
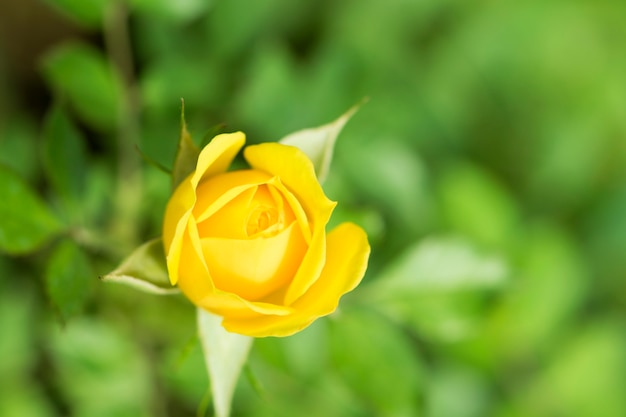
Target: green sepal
{"type": "Point", "coordinates": [318, 143]}
{"type": "Point", "coordinates": [225, 355]}
{"type": "Point", "coordinates": [187, 154]}
{"type": "Point", "coordinates": [145, 269]}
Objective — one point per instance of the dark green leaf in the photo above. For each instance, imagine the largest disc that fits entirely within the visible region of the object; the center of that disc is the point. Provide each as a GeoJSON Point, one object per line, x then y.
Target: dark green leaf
{"type": "Point", "coordinates": [89, 13]}
{"type": "Point", "coordinates": [18, 144]}
{"type": "Point", "coordinates": [187, 155]}
{"type": "Point", "coordinates": [25, 221]}
{"type": "Point", "coordinates": [145, 269]}
{"type": "Point", "coordinates": [82, 75]}
{"type": "Point", "coordinates": [64, 156]}
{"type": "Point", "coordinates": [69, 279]}
{"type": "Point", "coordinates": [172, 10]}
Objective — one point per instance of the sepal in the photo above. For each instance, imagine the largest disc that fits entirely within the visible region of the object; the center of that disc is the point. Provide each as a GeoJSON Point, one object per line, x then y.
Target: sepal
{"type": "Point", "coordinates": [318, 143]}
{"type": "Point", "coordinates": [225, 354]}
{"type": "Point", "coordinates": [145, 269]}
{"type": "Point", "coordinates": [187, 154]}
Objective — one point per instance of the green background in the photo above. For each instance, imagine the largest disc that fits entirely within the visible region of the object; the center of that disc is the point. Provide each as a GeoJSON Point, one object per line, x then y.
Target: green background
{"type": "Point", "coordinates": [488, 168]}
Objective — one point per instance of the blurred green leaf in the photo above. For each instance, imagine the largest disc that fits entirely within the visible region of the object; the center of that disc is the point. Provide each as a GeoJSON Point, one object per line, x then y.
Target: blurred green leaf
{"type": "Point", "coordinates": [18, 144]}
{"type": "Point", "coordinates": [475, 204]}
{"type": "Point", "coordinates": [64, 156]}
{"type": "Point", "coordinates": [185, 372]}
{"type": "Point", "coordinates": [225, 355]}
{"type": "Point", "coordinates": [25, 222]}
{"type": "Point", "coordinates": [549, 286]}
{"type": "Point", "coordinates": [377, 362]}
{"type": "Point", "coordinates": [457, 391]}
{"type": "Point", "coordinates": [17, 334]}
{"type": "Point", "coordinates": [389, 172]}
{"type": "Point", "coordinates": [319, 143]}
{"type": "Point", "coordinates": [25, 400]}
{"type": "Point", "coordinates": [69, 279]}
{"type": "Point", "coordinates": [82, 75]}
{"type": "Point", "coordinates": [177, 11]}
{"type": "Point", "coordinates": [144, 269]}
{"type": "Point", "coordinates": [89, 13]}
{"type": "Point", "coordinates": [101, 370]}
{"type": "Point", "coordinates": [605, 240]}
{"type": "Point", "coordinates": [437, 287]}
{"type": "Point", "coordinates": [441, 263]}
{"type": "Point", "coordinates": [587, 377]}
{"type": "Point", "coordinates": [187, 154]}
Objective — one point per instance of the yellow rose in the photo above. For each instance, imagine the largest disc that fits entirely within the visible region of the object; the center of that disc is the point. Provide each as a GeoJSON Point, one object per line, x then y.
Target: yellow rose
{"type": "Point", "coordinates": [251, 245]}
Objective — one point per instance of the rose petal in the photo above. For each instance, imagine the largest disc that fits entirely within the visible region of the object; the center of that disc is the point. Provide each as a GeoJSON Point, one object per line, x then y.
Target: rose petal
{"type": "Point", "coordinates": [254, 268]}
{"type": "Point", "coordinates": [217, 191]}
{"type": "Point", "coordinates": [215, 158]}
{"type": "Point", "coordinates": [295, 207]}
{"type": "Point", "coordinates": [197, 284]}
{"type": "Point", "coordinates": [346, 262]}
{"type": "Point", "coordinates": [296, 171]}
{"type": "Point", "coordinates": [175, 222]}
{"type": "Point", "coordinates": [231, 305]}
{"type": "Point", "coordinates": [227, 221]}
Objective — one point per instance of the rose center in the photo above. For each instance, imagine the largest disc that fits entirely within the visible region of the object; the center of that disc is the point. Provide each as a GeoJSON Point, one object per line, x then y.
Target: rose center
{"type": "Point", "coordinates": [262, 220]}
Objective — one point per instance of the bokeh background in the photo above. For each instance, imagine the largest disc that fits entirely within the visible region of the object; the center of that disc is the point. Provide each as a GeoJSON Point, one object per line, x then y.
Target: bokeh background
{"type": "Point", "coordinates": [488, 167]}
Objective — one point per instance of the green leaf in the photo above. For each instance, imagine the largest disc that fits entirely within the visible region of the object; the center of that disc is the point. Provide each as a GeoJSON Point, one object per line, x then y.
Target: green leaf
{"type": "Point", "coordinates": [378, 362]}
{"type": "Point", "coordinates": [82, 75]}
{"type": "Point", "coordinates": [225, 354]}
{"type": "Point", "coordinates": [187, 154]}
{"type": "Point", "coordinates": [18, 144]}
{"type": "Point", "coordinates": [68, 279]}
{"type": "Point", "coordinates": [437, 287]}
{"type": "Point", "coordinates": [586, 378]}
{"type": "Point", "coordinates": [25, 222]}
{"type": "Point", "coordinates": [319, 143]}
{"type": "Point", "coordinates": [102, 371]}
{"type": "Point", "coordinates": [177, 11]}
{"type": "Point", "coordinates": [145, 269]}
{"type": "Point", "coordinates": [89, 13]}
{"type": "Point", "coordinates": [474, 203]}
{"type": "Point", "coordinates": [441, 263]}
{"type": "Point", "coordinates": [64, 156]}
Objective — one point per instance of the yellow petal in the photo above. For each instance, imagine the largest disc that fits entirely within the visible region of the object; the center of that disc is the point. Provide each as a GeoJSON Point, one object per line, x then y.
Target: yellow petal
{"type": "Point", "coordinates": [254, 268]}
{"type": "Point", "coordinates": [217, 156]}
{"type": "Point", "coordinates": [346, 262]}
{"type": "Point", "coordinates": [175, 223]}
{"type": "Point", "coordinates": [194, 279]}
{"type": "Point", "coordinates": [295, 207]}
{"type": "Point", "coordinates": [217, 191]}
{"type": "Point", "coordinates": [227, 221]}
{"type": "Point", "coordinates": [310, 268]}
{"type": "Point", "coordinates": [231, 305]}
{"type": "Point", "coordinates": [197, 285]}
{"type": "Point", "coordinates": [296, 171]}
{"type": "Point", "coordinates": [214, 159]}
